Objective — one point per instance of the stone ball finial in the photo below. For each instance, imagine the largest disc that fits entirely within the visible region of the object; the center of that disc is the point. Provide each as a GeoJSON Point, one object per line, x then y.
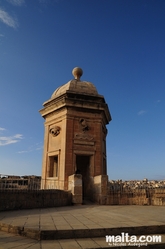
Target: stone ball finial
{"type": "Point", "coordinates": [77, 73]}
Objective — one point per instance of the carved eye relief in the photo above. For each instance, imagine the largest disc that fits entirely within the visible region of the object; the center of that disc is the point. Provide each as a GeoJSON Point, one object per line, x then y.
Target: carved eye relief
{"type": "Point", "coordinates": [55, 131]}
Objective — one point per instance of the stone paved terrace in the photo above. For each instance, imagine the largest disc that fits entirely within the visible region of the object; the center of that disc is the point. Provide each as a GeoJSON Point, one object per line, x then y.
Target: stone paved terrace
{"type": "Point", "coordinates": [78, 227]}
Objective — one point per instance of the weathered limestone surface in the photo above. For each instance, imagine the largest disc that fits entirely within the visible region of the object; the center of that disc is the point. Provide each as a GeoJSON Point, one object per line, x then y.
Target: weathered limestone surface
{"type": "Point", "coordinates": [136, 197]}
{"type": "Point", "coordinates": [75, 186]}
{"type": "Point", "coordinates": [75, 116]}
{"type": "Point", "coordinates": [100, 189]}
{"type": "Point", "coordinates": [24, 199]}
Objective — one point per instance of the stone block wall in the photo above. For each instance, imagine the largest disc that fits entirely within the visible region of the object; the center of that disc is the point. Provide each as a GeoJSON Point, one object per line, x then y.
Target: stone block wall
{"type": "Point", "coordinates": [127, 197]}
{"type": "Point", "coordinates": [101, 194]}
{"type": "Point", "coordinates": [104, 194]}
{"type": "Point", "coordinates": [75, 186]}
{"type": "Point", "coordinates": [136, 197]}
{"type": "Point", "coordinates": [158, 197]}
{"type": "Point", "coordinates": [100, 186]}
{"type": "Point", "coordinates": [26, 199]}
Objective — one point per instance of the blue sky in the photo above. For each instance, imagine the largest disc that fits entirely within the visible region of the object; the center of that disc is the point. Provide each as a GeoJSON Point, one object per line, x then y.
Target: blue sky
{"type": "Point", "coordinates": [119, 44]}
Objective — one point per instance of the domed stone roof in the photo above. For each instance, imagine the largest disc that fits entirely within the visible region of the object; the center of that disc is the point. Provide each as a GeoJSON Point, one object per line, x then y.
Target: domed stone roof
{"type": "Point", "coordinates": [76, 85]}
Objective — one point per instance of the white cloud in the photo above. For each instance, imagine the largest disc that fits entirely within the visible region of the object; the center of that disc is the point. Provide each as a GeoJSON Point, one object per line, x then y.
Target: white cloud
{"type": "Point", "coordinates": [18, 136]}
{"type": "Point", "coordinates": [23, 151]}
{"type": "Point", "coordinates": [16, 2]}
{"type": "Point", "coordinates": [142, 112]}
{"type": "Point", "coordinates": [7, 19]}
{"type": "Point", "coordinates": [2, 129]}
{"type": "Point", "coordinates": [10, 140]}
{"type": "Point", "coordinates": [37, 146]}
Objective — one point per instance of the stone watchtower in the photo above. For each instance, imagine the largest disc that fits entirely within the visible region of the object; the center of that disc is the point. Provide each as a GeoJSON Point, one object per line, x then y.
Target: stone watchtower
{"type": "Point", "coordinates": [75, 136]}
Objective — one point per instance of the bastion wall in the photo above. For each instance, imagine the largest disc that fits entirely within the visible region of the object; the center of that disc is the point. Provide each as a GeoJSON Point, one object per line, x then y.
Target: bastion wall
{"type": "Point", "coordinates": [104, 195]}
{"type": "Point", "coordinates": [27, 199]}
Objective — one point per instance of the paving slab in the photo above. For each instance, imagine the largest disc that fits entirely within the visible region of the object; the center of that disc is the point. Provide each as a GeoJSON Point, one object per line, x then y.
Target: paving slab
{"type": "Point", "coordinates": [82, 226]}
{"type": "Point", "coordinates": [11, 241]}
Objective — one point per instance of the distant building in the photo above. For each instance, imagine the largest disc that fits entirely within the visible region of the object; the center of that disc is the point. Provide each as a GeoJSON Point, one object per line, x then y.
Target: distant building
{"type": "Point", "coordinates": [20, 182]}
{"type": "Point", "coordinates": [136, 184]}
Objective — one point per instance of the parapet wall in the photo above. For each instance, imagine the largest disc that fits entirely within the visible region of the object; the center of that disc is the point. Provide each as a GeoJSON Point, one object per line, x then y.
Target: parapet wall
{"type": "Point", "coordinates": [105, 193]}
{"type": "Point", "coordinates": [101, 193]}
{"type": "Point", "coordinates": [137, 197]}
{"type": "Point", "coordinates": [26, 199]}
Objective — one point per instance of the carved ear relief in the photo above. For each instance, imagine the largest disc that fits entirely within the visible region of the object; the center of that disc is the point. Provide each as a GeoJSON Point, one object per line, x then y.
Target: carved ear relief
{"type": "Point", "coordinates": [55, 131]}
{"type": "Point", "coordinates": [84, 124]}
